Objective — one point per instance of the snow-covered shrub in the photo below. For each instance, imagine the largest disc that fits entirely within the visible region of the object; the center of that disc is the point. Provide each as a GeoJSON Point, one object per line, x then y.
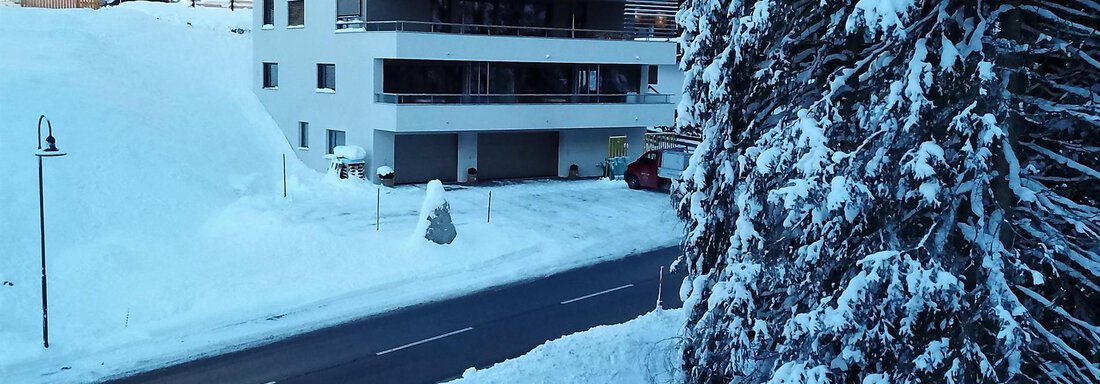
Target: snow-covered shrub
{"type": "Point", "coordinates": [892, 191]}
{"type": "Point", "coordinates": [385, 172]}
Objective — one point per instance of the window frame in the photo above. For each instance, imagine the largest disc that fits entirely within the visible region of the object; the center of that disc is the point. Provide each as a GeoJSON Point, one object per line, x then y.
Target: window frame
{"type": "Point", "coordinates": [322, 79]}
{"type": "Point", "coordinates": [290, 15]}
{"type": "Point", "coordinates": [303, 135]}
{"type": "Point", "coordinates": [269, 13]}
{"type": "Point", "coordinates": [270, 78]}
{"type": "Point", "coordinates": [654, 73]}
{"type": "Point", "coordinates": [330, 139]}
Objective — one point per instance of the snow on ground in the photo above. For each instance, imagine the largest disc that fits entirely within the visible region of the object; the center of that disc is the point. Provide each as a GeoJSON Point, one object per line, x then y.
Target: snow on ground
{"type": "Point", "coordinates": [168, 233]}
{"type": "Point", "coordinates": [644, 350]}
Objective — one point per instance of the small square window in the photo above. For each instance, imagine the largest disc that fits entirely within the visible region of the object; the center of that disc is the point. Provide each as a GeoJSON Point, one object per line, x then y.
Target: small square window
{"type": "Point", "coordinates": [326, 76]}
{"type": "Point", "coordinates": [271, 75]}
{"type": "Point", "coordinates": [335, 139]}
{"type": "Point", "coordinates": [303, 135]}
{"type": "Point", "coordinates": [295, 13]}
{"type": "Point", "coordinates": [653, 71]}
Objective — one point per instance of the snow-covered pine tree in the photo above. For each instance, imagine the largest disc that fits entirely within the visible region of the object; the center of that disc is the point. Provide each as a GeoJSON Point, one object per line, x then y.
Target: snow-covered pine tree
{"type": "Point", "coordinates": [892, 191]}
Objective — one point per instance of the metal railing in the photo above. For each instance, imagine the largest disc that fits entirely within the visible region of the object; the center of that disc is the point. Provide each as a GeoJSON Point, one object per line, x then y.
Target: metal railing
{"type": "Point", "coordinates": [418, 98]}
{"type": "Point", "coordinates": [355, 23]}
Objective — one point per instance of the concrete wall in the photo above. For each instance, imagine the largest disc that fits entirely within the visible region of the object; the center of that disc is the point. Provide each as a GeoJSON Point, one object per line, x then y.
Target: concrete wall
{"type": "Point", "coordinates": [423, 118]}
{"type": "Point", "coordinates": [444, 46]}
{"type": "Point", "coordinates": [298, 51]}
{"type": "Point", "coordinates": [670, 80]}
{"type": "Point", "coordinates": [587, 148]}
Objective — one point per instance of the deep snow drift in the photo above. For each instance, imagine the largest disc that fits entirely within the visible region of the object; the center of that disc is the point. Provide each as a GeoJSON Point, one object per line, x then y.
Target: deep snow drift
{"type": "Point", "coordinates": [643, 350]}
{"type": "Point", "coordinates": [168, 233]}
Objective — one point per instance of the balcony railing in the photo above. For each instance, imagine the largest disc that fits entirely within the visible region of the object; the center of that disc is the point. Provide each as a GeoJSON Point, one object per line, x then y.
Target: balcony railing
{"type": "Point", "coordinates": [413, 98]}
{"type": "Point", "coordinates": [355, 23]}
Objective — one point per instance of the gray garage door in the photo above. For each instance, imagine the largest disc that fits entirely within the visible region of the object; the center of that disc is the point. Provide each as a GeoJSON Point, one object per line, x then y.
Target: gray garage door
{"type": "Point", "coordinates": [517, 155]}
{"type": "Point", "coordinates": [422, 158]}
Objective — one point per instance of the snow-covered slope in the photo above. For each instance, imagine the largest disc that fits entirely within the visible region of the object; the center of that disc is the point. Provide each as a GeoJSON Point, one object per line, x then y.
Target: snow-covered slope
{"type": "Point", "coordinates": [643, 350]}
{"type": "Point", "coordinates": [168, 233]}
{"type": "Point", "coordinates": [161, 132]}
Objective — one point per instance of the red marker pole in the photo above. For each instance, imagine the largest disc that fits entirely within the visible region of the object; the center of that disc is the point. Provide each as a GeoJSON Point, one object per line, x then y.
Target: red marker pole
{"type": "Point", "coordinates": [660, 286]}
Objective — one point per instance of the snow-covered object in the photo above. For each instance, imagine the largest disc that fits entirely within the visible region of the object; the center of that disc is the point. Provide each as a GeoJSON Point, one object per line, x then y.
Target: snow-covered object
{"type": "Point", "coordinates": [384, 171]}
{"type": "Point", "coordinates": [350, 152]}
{"type": "Point", "coordinates": [644, 350]}
{"type": "Point", "coordinates": [435, 222]}
{"type": "Point", "coordinates": [892, 191]}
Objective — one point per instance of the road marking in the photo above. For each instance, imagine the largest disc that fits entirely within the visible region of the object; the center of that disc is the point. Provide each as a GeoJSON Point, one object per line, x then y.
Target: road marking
{"type": "Point", "coordinates": [428, 340]}
{"type": "Point", "coordinates": [597, 294]}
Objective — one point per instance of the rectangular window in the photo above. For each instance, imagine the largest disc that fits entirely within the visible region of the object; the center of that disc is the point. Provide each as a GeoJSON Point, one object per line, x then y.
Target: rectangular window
{"type": "Point", "coordinates": [271, 75]}
{"type": "Point", "coordinates": [653, 70]}
{"type": "Point", "coordinates": [326, 76]}
{"type": "Point", "coordinates": [269, 12]}
{"type": "Point", "coordinates": [335, 139]}
{"type": "Point", "coordinates": [295, 13]}
{"type": "Point", "coordinates": [303, 135]}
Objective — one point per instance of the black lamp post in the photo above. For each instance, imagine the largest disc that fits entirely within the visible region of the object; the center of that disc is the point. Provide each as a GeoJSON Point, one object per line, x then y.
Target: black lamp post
{"type": "Point", "coordinates": [50, 151]}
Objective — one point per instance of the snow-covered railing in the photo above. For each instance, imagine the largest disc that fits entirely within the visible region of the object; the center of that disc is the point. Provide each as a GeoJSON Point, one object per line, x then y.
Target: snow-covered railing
{"type": "Point", "coordinates": [356, 24]}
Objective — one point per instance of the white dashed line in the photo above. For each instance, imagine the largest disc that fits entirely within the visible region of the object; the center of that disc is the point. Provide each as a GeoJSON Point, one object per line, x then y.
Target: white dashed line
{"type": "Point", "coordinates": [431, 339]}
{"type": "Point", "coordinates": [597, 294]}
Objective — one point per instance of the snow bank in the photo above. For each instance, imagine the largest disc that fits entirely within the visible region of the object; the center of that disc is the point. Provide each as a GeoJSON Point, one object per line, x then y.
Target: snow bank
{"type": "Point", "coordinates": [161, 132]}
{"type": "Point", "coordinates": [168, 233]}
{"type": "Point", "coordinates": [643, 350]}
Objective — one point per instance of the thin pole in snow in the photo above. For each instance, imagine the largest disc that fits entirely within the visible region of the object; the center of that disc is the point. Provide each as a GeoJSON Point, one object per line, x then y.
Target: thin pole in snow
{"type": "Point", "coordinates": [284, 175]}
{"type": "Point", "coordinates": [660, 286]}
{"type": "Point", "coordinates": [378, 209]}
{"type": "Point", "coordinates": [489, 211]}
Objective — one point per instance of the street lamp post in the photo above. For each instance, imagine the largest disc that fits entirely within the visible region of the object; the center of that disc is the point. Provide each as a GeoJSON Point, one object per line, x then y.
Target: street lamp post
{"type": "Point", "coordinates": [50, 151]}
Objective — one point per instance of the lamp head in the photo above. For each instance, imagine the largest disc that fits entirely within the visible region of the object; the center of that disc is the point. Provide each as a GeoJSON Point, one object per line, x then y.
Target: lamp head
{"type": "Point", "coordinates": [51, 148]}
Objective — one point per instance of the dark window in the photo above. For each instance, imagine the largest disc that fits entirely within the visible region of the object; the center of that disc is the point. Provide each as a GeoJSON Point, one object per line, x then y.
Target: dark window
{"type": "Point", "coordinates": [269, 12]}
{"type": "Point", "coordinates": [271, 75]}
{"type": "Point", "coordinates": [653, 70]}
{"type": "Point", "coordinates": [326, 76]}
{"type": "Point", "coordinates": [303, 134]}
{"type": "Point", "coordinates": [335, 139]}
{"type": "Point", "coordinates": [346, 8]}
{"type": "Point", "coordinates": [457, 81]}
{"type": "Point", "coordinates": [620, 79]}
{"type": "Point", "coordinates": [295, 13]}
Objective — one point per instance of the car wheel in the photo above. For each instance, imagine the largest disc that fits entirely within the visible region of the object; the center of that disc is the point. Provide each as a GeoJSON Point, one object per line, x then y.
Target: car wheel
{"type": "Point", "coordinates": [632, 182]}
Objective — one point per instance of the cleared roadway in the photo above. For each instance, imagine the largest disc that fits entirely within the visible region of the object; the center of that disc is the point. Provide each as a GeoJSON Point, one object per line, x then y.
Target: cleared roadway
{"type": "Point", "coordinates": [438, 341]}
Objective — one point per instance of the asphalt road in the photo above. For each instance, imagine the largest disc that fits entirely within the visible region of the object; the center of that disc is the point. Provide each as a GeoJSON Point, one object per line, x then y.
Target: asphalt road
{"type": "Point", "coordinates": [438, 341]}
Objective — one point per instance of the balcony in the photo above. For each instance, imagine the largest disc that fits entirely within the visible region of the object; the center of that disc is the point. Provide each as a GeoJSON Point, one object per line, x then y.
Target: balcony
{"type": "Point", "coordinates": [465, 113]}
{"type": "Point", "coordinates": [413, 98]}
{"type": "Point", "coordinates": [357, 24]}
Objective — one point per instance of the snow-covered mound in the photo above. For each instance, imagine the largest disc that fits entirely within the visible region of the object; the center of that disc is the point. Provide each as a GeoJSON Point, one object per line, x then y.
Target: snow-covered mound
{"type": "Point", "coordinates": [643, 350]}
{"type": "Point", "coordinates": [161, 131]}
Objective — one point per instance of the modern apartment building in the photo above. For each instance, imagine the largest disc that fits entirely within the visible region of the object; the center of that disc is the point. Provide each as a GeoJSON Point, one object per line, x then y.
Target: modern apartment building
{"type": "Point", "coordinates": [431, 88]}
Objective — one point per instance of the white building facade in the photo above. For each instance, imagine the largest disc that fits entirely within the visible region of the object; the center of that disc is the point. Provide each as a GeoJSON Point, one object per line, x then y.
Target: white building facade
{"type": "Point", "coordinates": [432, 88]}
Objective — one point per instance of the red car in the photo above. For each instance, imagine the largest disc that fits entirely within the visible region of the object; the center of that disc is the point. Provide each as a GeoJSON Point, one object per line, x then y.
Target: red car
{"type": "Point", "coordinates": [656, 168]}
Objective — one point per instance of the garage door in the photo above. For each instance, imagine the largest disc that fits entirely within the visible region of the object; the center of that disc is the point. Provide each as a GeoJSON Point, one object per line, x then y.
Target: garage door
{"type": "Point", "coordinates": [517, 155]}
{"type": "Point", "coordinates": [422, 158]}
